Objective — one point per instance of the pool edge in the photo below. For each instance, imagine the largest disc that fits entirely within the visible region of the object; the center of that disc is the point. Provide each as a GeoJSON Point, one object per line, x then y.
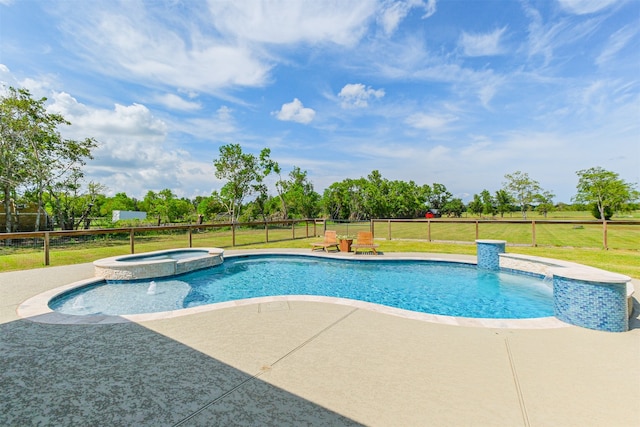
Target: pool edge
{"type": "Point", "coordinates": [37, 309]}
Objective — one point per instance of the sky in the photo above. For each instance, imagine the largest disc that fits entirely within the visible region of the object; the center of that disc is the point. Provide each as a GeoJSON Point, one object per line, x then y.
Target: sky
{"type": "Point", "coordinates": [435, 91]}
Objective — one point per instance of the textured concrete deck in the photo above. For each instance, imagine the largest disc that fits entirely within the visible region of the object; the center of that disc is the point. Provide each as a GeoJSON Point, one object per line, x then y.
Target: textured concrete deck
{"type": "Point", "coordinates": [305, 363]}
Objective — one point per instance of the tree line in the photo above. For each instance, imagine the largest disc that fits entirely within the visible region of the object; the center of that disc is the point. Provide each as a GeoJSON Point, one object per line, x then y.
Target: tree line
{"type": "Point", "coordinates": [38, 166]}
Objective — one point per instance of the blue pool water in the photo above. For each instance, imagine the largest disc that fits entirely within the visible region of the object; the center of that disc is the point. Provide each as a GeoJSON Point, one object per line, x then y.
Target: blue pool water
{"type": "Point", "coordinates": [451, 289]}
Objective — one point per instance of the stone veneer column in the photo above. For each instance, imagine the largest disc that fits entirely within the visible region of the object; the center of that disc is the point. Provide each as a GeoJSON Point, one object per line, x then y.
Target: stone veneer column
{"type": "Point", "coordinates": [488, 253]}
{"type": "Point", "coordinates": [590, 298]}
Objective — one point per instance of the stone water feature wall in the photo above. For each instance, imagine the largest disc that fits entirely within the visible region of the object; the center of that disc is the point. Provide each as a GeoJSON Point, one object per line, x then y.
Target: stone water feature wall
{"type": "Point", "coordinates": [582, 296]}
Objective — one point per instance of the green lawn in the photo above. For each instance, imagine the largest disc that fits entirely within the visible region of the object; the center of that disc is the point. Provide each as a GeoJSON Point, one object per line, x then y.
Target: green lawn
{"type": "Point", "coordinates": [561, 241]}
{"type": "Point", "coordinates": [619, 236]}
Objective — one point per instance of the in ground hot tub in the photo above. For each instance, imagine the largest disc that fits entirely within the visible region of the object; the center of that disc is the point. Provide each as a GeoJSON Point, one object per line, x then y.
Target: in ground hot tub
{"type": "Point", "coordinates": [157, 264]}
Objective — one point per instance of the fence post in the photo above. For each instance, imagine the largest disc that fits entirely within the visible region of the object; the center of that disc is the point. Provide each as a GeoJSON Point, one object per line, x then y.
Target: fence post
{"type": "Point", "coordinates": [293, 229]}
{"type": "Point", "coordinates": [46, 248]}
{"type": "Point", "coordinates": [477, 231]}
{"type": "Point", "coordinates": [233, 234]}
{"type": "Point", "coordinates": [306, 223]}
{"type": "Point", "coordinates": [389, 229]}
{"type": "Point", "coordinates": [533, 233]}
{"type": "Point", "coordinates": [266, 232]}
{"type": "Point", "coordinates": [190, 238]}
{"type": "Point", "coordinates": [428, 230]}
{"type": "Point", "coordinates": [604, 234]}
{"type": "Point", "coordinates": [131, 240]}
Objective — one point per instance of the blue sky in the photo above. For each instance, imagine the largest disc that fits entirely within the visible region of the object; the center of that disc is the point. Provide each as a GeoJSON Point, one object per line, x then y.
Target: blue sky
{"type": "Point", "coordinates": [454, 92]}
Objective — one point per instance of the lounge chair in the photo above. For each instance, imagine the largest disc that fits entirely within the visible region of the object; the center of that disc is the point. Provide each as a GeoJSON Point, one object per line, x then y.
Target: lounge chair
{"type": "Point", "coordinates": [364, 241]}
{"type": "Point", "coordinates": [330, 240]}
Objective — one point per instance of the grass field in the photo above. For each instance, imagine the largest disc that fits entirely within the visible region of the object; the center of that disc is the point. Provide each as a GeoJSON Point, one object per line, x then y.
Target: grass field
{"type": "Point", "coordinates": [619, 236]}
{"type": "Point", "coordinates": [582, 244]}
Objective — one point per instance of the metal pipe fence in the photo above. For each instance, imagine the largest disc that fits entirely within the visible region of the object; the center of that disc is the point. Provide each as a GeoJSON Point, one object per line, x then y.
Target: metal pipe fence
{"type": "Point", "coordinates": [132, 239]}
{"type": "Point", "coordinates": [55, 245]}
{"type": "Point", "coordinates": [568, 233]}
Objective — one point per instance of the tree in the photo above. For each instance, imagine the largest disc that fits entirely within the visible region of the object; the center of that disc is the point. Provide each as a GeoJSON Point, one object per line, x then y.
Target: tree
{"type": "Point", "coordinates": [211, 206]}
{"type": "Point", "coordinates": [300, 195]}
{"type": "Point", "coordinates": [503, 202]}
{"type": "Point", "coordinates": [165, 205]}
{"type": "Point", "coordinates": [545, 202]}
{"type": "Point", "coordinates": [488, 203]}
{"type": "Point", "coordinates": [475, 206]}
{"type": "Point", "coordinates": [376, 197]}
{"type": "Point", "coordinates": [604, 190]}
{"type": "Point", "coordinates": [346, 199]}
{"type": "Point", "coordinates": [266, 166]}
{"type": "Point", "coordinates": [33, 154]}
{"type": "Point", "coordinates": [241, 170]}
{"type": "Point", "coordinates": [439, 196]}
{"type": "Point", "coordinates": [522, 189]}
{"type": "Point", "coordinates": [453, 208]}
{"type": "Point", "coordinates": [377, 203]}
{"type": "Point", "coordinates": [119, 202]}
{"type": "Point", "coordinates": [14, 148]}
{"type": "Point", "coordinates": [70, 205]}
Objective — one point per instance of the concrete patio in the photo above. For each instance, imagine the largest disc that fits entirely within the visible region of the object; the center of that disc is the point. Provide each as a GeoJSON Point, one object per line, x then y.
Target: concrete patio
{"type": "Point", "coordinates": [306, 363]}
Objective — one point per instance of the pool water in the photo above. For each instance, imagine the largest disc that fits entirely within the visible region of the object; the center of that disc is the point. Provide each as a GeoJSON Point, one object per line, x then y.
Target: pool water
{"type": "Point", "coordinates": [444, 288]}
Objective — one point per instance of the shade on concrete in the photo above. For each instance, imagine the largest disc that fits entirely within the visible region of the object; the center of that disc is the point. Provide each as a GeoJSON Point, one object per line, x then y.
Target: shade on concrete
{"type": "Point", "coordinates": [305, 363]}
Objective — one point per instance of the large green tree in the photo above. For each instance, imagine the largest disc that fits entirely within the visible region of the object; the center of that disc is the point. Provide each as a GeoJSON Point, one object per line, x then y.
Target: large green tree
{"type": "Point", "coordinates": [33, 155]}
{"type": "Point", "coordinates": [244, 174]}
{"type": "Point", "coordinates": [522, 189]}
{"type": "Point", "coordinates": [165, 205]}
{"type": "Point", "coordinates": [439, 196]}
{"type": "Point", "coordinates": [604, 190]}
{"type": "Point", "coordinates": [300, 197]}
{"type": "Point", "coordinates": [453, 208]}
{"type": "Point", "coordinates": [375, 197]}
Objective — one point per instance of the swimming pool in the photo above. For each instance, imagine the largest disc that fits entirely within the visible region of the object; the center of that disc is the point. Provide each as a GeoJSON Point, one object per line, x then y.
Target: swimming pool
{"type": "Point", "coordinates": [444, 288]}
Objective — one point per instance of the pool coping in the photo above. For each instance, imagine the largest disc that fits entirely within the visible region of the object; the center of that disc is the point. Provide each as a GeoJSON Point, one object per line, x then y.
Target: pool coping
{"type": "Point", "coordinates": [36, 308]}
{"type": "Point", "coordinates": [147, 265]}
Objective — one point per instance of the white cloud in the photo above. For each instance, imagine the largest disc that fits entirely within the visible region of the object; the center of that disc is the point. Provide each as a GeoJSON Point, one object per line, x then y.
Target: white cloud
{"type": "Point", "coordinates": [393, 12]}
{"type": "Point", "coordinates": [221, 126]}
{"type": "Point", "coordinates": [284, 21]}
{"type": "Point", "coordinates": [38, 88]}
{"type": "Point", "coordinates": [134, 44]}
{"type": "Point", "coordinates": [135, 119]}
{"type": "Point", "coordinates": [6, 78]}
{"type": "Point", "coordinates": [482, 44]}
{"type": "Point", "coordinates": [431, 122]}
{"type": "Point", "coordinates": [546, 37]}
{"type": "Point", "coordinates": [133, 154]}
{"type": "Point", "coordinates": [357, 95]}
{"type": "Point", "coordinates": [295, 112]}
{"type": "Point", "coordinates": [175, 102]}
{"type": "Point", "coordinates": [581, 7]}
{"type": "Point", "coordinates": [617, 41]}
